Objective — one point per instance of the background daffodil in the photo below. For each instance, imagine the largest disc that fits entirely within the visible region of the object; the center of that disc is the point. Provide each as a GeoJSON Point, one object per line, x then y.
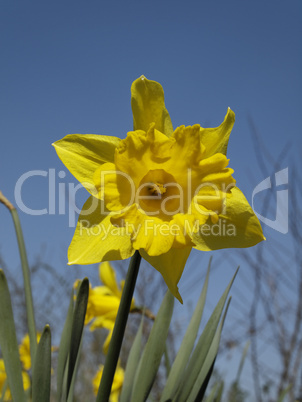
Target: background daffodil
{"type": "Point", "coordinates": [116, 385]}
{"type": "Point", "coordinates": [158, 191]}
{"type": "Point", "coordinates": [4, 385]}
{"type": "Point", "coordinates": [104, 301]}
{"type": "Point", "coordinates": [24, 351]}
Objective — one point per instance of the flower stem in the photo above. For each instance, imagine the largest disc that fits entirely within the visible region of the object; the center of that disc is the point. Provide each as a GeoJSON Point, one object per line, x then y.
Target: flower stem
{"type": "Point", "coordinates": [119, 329]}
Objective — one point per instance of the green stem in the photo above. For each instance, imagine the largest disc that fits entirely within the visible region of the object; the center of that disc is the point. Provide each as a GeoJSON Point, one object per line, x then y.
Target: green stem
{"type": "Point", "coordinates": [119, 329]}
{"type": "Point", "coordinates": [27, 286]}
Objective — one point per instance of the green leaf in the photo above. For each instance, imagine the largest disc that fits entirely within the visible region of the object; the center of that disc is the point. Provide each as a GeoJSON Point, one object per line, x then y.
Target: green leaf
{"type": "Point", "coordinates": [77, 328]}
{"type": "Point", "coordinates": [27, 285]}
{"type": "Point", "coordinates": [219, 392]}
{"type": "Point", "coordinates": [284, 393]}
{"type": "Point", "coordinates": [132, 364]}
{"type": "Point", "coordinates": [203, 345]}
{"type": "Point", "coordinates": [243, 357]}
{"type": "Point", "coordinates": [187, 345]}
{"type": "Point", "coordinates": [204, 375]}
{"type": "Point", "coordinates": [64, 351]}
{"type": "Point", "coordinates": [213, 393]}
{"type": "Point", "coordinates": [153, 351]}
{"type": "Point", "coordinates": [9, 344]}
{"type": "Point", "coordinates": [42, 368]}
{"type": "Point", "coordinates": [73, 380]}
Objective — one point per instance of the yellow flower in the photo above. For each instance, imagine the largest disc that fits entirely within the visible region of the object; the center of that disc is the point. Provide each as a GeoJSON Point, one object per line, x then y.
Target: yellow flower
{"type": "Point", "coordinates": [24, 351]}
{"type": "Point", "coordinates": [3, 378]}
{"type": "Point", "coordinates": [104, 301]}
{"type": "Point", "coordinates": [116, 385]}
{"type": "Point", "coordinates": [158, 191]}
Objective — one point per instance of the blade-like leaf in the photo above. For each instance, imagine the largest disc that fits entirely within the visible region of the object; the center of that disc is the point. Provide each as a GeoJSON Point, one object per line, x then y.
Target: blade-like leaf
{"type": "Point", "coordinates": [200, 386]}
{"type": "Point", "coordinates": [132, 364]}
{"type": "Point", "coordinates": [212, 395]}
{"type": "Point", "coordinates": [284, 393]}
{"type": "Point", "coordinates": [219, 392]}
{"type": "Point", "coordinates": [64, 350]}
{"type": "Point", "coordinates": [153, 351]}
{"type": "Point", "coordinates": [42, 368]}
{"type": "Point", "coordinates": [186, 346]}
{"type": "Point", "coordinates": [77, 328]}
{"type": "Point", "coordinates": [9, 344]}
{"type": "Point", "coordinates": [243, 357]}
{"type": "Point", "coordinates": [203, 345]}
{"type": "Point", "coordinates": [73, 380]}
{"type": "Point", "coordinates": [27, 285]}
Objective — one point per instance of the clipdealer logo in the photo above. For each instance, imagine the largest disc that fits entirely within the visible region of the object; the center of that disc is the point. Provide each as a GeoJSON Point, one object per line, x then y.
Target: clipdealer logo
{"type": "Point", "coordinates": [280, 223]}
{"type": "Point", "coordinates": [61, 193]}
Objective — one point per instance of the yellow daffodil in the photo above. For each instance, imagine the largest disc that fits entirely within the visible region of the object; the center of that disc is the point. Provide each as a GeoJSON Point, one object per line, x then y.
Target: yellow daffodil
{"type": "Point", "coordinates": [24, 351]}
{"type": "Point", "coordinates": [104, 301]}
{"type": "Point", "coordinates": [3, 378]}
{"type": "Point", "coordinates": [116, 385]}
{"type": "Point", "coordinates": [158, 191]}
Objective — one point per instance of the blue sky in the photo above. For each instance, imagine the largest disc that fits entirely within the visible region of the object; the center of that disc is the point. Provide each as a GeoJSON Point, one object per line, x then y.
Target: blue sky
{"type": "Point", "coordinates": [67, 67]}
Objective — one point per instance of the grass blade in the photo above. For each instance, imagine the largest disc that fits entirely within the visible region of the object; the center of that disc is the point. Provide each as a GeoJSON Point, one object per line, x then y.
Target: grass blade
{"type": "Point", "coordinates": [73, 380]}
{"type": "Point", "coordinates": [77, 328]}
{"type": "Point", "coordinates": [9, 344]}
{"type": "Point", "coordinates": [202, 347]}
{"type": "Point", "coordinates": [153, 351]}
{"type": "Point", "coordinates": [27, 286]}
{"type": "Point", "coordinates": [64, 349]}
{"type": "Point", "coordinates": [187, 345]}
{"type": "Point", "coordinates": [42, 368]}
{"type": "Point", "coordinates": [132, 364]}
{"type": "Point", "coordinates": [199, 388]}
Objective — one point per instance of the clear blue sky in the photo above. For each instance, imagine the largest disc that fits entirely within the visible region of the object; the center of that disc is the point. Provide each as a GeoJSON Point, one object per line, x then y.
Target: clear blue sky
{"type": "Point", "coordinates": [67, 67]}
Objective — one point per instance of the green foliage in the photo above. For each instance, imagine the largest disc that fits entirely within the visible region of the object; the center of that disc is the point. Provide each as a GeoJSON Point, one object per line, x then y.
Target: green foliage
{"type": "Point", "coordinates": [187, 345]}
{"type": "Point", "coordinates": [204, 354]}
{"type": "Point", "coordinates": [132, 364]}
{"type": "Point", "coordinates": [77, 328]}
{"type": "Point", "coordinates": [8, 342]}
{"type": "Point", "coordinates": [190, 371]}
{"type": "Point", "coordinates": [193, 368]}
{"type": "Point", "coordinates": [153, 351]}
{"type": "Point", "coordinates": [64, 352]}
{"type": "Point", "coordinates": [42, 368]}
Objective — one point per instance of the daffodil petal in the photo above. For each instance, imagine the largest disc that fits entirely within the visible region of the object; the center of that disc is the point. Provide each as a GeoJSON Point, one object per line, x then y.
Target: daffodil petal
{"type": "Point", "coordinates": [103, 322]}
{"type": "Point", "coordinates": [148, 106]}
{"type": "Point", "coordinates": [118, 381]}
{"type": "Point", "coordinates": [102, 304]}
{"type": "Point", "coordinates": [170, 265]}
{"type": "Point", "coordinates": [96, 239]}
{"type": "Point", "coordinates": [147, 232]}
{"type": "Point", "coordinates": [216, 139]}
{"type": "Point", "coordinates": [108, 277]}
{"type": "Point", "coordinates": [237, 226]}
{"type": "Point", "coordinates": [83, 154]}
{"type": "Point", "coordinates": [154, 236]}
